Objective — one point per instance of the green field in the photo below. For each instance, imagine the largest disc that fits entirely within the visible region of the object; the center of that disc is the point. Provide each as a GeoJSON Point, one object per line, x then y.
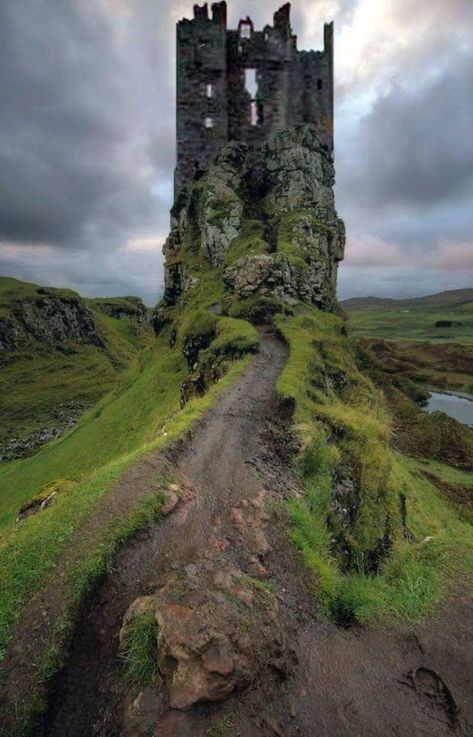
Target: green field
{"type": "Point", "coordinates": [414, 319]}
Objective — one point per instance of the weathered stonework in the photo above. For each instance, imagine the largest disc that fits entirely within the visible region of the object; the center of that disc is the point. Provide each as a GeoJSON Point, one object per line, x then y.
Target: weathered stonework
{"type": "Point", "coordinates": [242, 85]}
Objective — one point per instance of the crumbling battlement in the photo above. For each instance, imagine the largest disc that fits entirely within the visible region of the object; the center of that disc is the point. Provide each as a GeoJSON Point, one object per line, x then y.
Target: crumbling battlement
{"type": "Point", "coordinates": [241, 85]}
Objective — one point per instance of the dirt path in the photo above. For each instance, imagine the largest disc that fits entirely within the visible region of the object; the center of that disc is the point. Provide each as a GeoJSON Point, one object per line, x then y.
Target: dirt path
{"type": "Point", "coordinates": [312, 679]}
{"type": "Point", "coordinates": [225, 462]}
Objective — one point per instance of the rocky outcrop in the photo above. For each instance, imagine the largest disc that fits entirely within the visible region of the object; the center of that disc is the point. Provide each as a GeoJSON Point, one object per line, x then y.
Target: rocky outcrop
{"type": "Point", "coordinates": [63, 417]}
{"type": "Point", "coordinates": [45, 497]}
{"type": "Point", "coordinates": [49, 318]}
{"type": "Point", "coordinates": [131, 308]}
{"type": "Point", "coordinates": [57, 320]}
{"type": "Point", "coordinates": [208, 212]}
{"type": "Point", "coordinates": [217, 619]}
{"type": "Point", "coordinates": [220, 206]}
{"type": "Point", "coordinates": [11, 335]}
{"type": "Point", "coordinates": [288, 188]}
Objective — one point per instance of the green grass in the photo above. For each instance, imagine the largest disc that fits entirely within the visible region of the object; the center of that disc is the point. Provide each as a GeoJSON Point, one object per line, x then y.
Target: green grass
{"type": "Point", "coordinates": [348, 427]}
{"type": "Point", "coordinates": [250, 242]}
{"type": "Point", "coordinates": [447, 473]}
{"type": "Point", "coordinates": [234, 337]}
{"type": "Point", "coordinates": [142, 416]}
{"type": "Point", "coordinates": [415, 319]}
{"type": "Point", "coordinates": [14, 289]}
{"type": "Point", "coordinates": [140, 649]}
{"type": "Point", "coordinates": [127, 419]}
{"type": "Point", "coordinates": [40, 384]}
{"type": "Point", "coordinates": [140, 412]}
{"type": "Point", "coordinates": [78, 579]}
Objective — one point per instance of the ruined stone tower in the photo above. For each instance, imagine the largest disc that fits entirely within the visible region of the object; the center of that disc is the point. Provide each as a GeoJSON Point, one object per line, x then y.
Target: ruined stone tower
{"type": "Point", "coordinates": [242, 85]}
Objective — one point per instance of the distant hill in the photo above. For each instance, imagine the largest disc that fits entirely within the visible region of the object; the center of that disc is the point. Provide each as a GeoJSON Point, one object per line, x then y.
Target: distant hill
{"type": "Point", "coordinates": [451, 298]}
{"type": "Point", "coordinates": [443, 317]}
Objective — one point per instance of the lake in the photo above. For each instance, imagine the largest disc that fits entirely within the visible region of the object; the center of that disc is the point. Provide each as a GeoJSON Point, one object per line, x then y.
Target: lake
{"type": "Point", "coordinates": [458, 406]}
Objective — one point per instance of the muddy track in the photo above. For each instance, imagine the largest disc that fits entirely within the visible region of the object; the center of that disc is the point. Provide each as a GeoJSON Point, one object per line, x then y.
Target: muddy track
{"type": "Point", "coordinates": [415, 682]}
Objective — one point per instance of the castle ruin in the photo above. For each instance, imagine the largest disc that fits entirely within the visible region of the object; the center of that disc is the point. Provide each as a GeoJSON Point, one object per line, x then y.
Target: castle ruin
{"type": "Point", "coordinates": [241, 85]}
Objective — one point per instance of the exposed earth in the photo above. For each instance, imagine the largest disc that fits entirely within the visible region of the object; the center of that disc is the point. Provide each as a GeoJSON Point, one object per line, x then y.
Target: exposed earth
{"type": "Point", "coordinates": [235, 607]}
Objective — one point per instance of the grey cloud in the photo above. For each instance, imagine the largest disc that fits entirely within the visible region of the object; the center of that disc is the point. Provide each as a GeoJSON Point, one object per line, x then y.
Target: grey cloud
{"type": "Point", "coordinates": [415, 148]}
{"type": "Point", "coordinates": [74, 130]}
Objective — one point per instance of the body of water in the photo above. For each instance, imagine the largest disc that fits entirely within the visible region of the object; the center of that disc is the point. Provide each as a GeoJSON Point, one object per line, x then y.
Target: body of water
{"type": "Point", "coordinates": [458, 406]}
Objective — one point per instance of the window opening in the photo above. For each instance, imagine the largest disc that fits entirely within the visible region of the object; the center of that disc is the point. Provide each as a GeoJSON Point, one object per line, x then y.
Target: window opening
{"type": "Point", "coordinates": [245, 30]}
{"type": "Point", "coordinates": [319, 84]}
{"type": "Point", "coordinates": [245, 27]}
{"type": "Point", "coordinates": [256, 105]}
{"type": "Point", "coordinates": [209, 90]}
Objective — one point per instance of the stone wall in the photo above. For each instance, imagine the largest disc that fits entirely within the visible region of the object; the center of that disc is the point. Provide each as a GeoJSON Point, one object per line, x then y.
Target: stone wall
{"type": "Point", "coordinates": [242, 85]}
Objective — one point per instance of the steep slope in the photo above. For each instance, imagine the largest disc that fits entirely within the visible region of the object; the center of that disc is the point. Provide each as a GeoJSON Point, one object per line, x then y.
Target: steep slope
{"type": "Point", "coordinates": [59, 354]}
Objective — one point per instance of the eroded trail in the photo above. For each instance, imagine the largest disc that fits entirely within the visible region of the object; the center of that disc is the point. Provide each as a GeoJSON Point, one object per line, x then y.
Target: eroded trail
{"type": "Point", "coordinates": [230, 457]}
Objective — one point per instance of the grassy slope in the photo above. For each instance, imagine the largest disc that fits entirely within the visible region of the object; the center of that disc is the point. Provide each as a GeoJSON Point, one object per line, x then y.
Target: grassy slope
{"type": "Point", "coordinates": [415, 574]}
{"type": "Point", "coordinates": [142, 412]}
{"type": "Point", "coordinates": [38, 381]}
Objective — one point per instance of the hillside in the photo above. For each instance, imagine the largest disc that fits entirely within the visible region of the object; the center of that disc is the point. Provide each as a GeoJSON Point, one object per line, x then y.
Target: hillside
{"type": "Point", "coordinates": [59, 354]}
{"type": "Point", "coordinates": [447, 316]}
{"type": "Point", "coordinates": [232, 540]}
{"type": "Point", "coordinates": [452, 298]}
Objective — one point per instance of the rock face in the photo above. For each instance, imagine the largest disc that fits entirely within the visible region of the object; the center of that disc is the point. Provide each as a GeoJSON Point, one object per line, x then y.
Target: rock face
{"type": "Point", "coordinates": [288, 189]}
{"type": "Point", "coordinates": [58, 319]}
{"type": "Point", "coordinates": [127, 307]}
{"type": "Point", "coordinates": [49, 318]}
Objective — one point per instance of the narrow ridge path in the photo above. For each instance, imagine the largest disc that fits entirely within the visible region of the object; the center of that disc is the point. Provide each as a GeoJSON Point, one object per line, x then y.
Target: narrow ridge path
{"type": "Point", "coordinates": [229, 458]}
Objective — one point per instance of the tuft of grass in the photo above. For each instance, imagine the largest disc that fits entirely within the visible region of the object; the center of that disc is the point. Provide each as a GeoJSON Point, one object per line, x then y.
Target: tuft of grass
{"type": "Point", "coordinates": [265, 588]}
{"type": "Point", "coordinates": [234, 337]}
{"type": "Point", "coordinates": [219, 729]}
{"type": "Point", "coordinates": [140, 650]}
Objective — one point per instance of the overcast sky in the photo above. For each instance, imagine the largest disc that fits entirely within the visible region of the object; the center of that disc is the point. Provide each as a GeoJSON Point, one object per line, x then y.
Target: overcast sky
{"type": "Point", "coordinates": [87, 139]}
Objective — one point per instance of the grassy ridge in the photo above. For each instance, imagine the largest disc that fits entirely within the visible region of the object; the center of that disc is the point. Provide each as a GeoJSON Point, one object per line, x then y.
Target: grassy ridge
{"type": "Point", "coordinates": [142, 412]}
{"type": "Point", "coordinates": [343, 424]}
